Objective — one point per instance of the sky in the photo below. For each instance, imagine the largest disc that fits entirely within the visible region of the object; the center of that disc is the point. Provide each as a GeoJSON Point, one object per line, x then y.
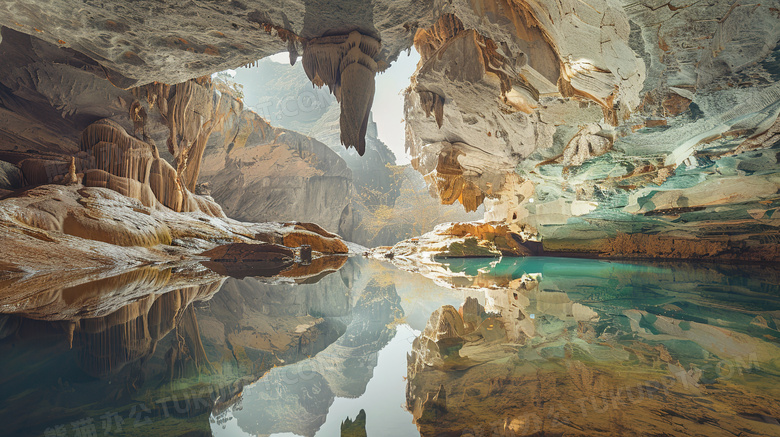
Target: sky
{"type": "Point", "coordinates": [388, 106]}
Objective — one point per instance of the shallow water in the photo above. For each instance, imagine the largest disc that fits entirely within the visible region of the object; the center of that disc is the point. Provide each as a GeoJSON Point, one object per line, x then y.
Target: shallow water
{"type": "Point", "coordinates": [540, 346]}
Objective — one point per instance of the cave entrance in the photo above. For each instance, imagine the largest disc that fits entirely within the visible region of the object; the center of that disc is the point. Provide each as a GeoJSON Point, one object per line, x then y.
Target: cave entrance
{"type": "Point", "coordinates": [387, 201]}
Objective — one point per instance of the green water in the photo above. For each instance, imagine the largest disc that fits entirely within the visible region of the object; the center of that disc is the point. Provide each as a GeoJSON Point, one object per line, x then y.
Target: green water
{"type": "Point", "coordinates": [546, 346]}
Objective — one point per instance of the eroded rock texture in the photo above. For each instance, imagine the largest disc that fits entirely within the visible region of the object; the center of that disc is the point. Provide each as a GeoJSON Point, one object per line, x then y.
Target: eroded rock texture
{"type": "Point", "coordinates": [82, 172]}
{"type": "Point", "coordinates": [260, 173]}
{"type": "Point", "coordinates": [170, 42]}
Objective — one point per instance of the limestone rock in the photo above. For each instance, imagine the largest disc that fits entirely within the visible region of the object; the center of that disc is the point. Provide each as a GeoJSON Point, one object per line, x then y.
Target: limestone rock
{"type": "Point", "coordinates": [244, 252]}
{"type": "Point", "coordinates": [71, 178]}
{"type": "Point", "coordinates": [347, 65]}
{"type": "Point", "coordinates": [258, 172]}
{"type": "Point", "coordinates": [580, 121]}
{"type": "Point", "coordinates": [10, 176]}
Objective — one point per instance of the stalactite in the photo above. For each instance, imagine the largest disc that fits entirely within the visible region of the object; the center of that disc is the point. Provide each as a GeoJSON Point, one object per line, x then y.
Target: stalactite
{"type": "Point", "coordinates": [347, 65]}
{"type": "Point", "coordinates": [451, 184]}
{"type": "Point", "coordinates": [432, 103]}
{"type": "Point", "coordinates": [191, 115]}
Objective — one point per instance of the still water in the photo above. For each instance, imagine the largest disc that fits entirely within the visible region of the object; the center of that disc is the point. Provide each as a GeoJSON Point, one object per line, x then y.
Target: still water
{"type": "Point", "coordinates": [475, 347]}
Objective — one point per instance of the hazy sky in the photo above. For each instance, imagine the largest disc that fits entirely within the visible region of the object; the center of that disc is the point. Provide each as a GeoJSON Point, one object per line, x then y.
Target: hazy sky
{"type": "Point", "coordinates": [388, 106]}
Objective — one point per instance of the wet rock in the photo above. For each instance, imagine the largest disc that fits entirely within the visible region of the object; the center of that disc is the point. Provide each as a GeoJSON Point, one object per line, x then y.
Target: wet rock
{"type": "Point", "coordinates": [245, 252]}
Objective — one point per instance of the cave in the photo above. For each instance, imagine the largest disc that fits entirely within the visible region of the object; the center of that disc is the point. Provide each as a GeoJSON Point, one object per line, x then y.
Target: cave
{"type": "Point", "coordinates": [389, 218]}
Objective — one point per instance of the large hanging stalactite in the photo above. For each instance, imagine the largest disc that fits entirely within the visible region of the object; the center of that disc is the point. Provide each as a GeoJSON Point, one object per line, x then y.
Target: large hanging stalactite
{"type": "Point", "coordinates": [347, 65]}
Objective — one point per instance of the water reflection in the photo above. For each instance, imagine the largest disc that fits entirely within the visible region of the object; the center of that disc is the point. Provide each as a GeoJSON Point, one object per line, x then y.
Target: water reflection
{"type": "Point", "coordinates": [584, 347]}
{"type": "Point", "coordinates": [524, 346]}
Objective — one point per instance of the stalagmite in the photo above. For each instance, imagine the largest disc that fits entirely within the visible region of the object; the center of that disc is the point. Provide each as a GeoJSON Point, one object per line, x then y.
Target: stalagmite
{"type": "Point", "coordinates": [71, 178]}
{"type": "Point", "coordinates": [347, 65]}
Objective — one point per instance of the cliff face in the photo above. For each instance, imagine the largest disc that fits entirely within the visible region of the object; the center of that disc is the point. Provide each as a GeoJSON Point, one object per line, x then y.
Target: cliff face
{"type": "Point", "coordinates": [257, 172]}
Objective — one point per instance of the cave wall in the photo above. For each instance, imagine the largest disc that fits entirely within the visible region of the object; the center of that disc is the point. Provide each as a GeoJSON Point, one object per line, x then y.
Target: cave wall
{"type": "Point", "coordinates": [59, 107]}
{"type": "Point", "coordinates": [593, 122]}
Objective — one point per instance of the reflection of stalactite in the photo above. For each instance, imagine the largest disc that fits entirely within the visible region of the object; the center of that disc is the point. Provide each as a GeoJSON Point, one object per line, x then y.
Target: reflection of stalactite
{"type": "Point", "coordinates": [356, 428]}
{"type": "Point", "coordinates": [106, 344]}
{"type": "Point", "coordinates": [347, 65]}
{"type": "Point", "coordinates": [187, 357]}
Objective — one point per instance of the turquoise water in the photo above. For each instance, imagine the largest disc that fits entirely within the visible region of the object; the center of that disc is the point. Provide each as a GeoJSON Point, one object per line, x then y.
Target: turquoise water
{"type": "Point", "coordinates": [520, 346]}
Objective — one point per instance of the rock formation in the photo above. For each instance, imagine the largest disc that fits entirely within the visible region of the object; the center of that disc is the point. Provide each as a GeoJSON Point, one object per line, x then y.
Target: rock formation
{"type": "Point", "coordinates": [388, 202]}
{"type": "Point", "coordinates": [258, 172]}
{"type": "Point", "coordinates": [347, 65]}
{"type": "Point", "coordinates": [590, 116]}
{"type": "Point", "coordinates": [458, 240]}
{"type": "Point", "coordinates": [125, 202]}
{"type": "Point", "coordinates": [529, 77]}
{"type": "Point", "coordinates": [613, 118]}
